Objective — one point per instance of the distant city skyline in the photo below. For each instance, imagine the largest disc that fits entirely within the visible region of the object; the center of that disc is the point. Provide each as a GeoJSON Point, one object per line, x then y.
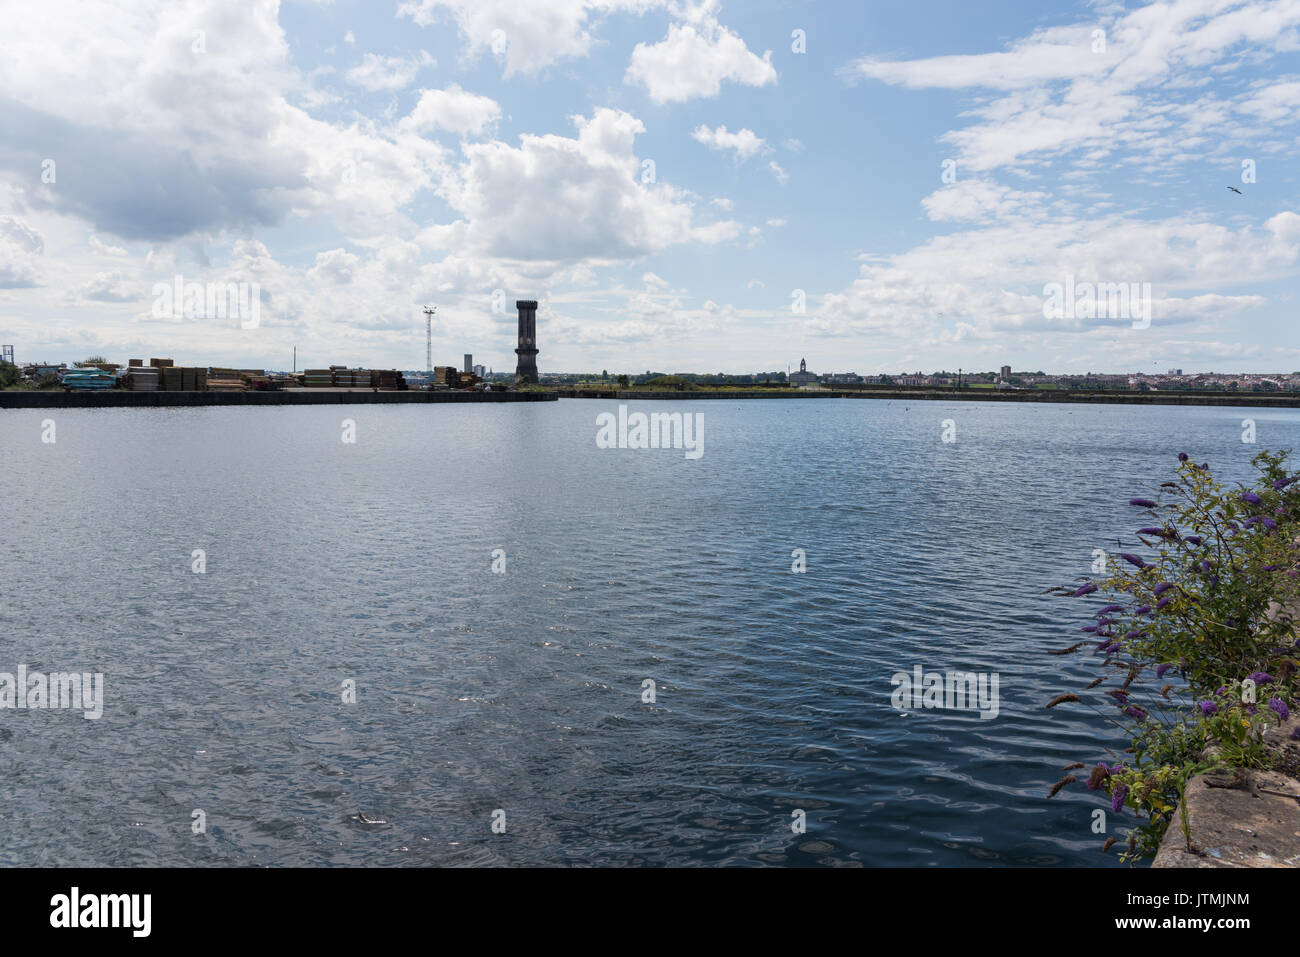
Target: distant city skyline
{"type": "Point", "coordinates": [718, 185]}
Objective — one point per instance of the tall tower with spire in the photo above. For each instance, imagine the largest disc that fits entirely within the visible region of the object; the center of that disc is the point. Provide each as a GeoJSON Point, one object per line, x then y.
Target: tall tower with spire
{"type": "Point", "coordinates": [526, 369]}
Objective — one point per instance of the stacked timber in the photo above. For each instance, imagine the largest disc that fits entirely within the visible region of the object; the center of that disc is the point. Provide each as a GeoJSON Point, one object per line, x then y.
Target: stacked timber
{"type": "Point", "coordinates": [142, 379]}
{"type": "Point", "coordinates": [318, 378]}
{"type": "Point", "coordinates": [182, 379]}
{"type": "Point", "coordinates": [89, 380]}
{"type": "Point", "coordinates": [345, 378]}
{"type": "Point", "coordinates": [225, 380]}
{"type": "Point", "coordinates": [388, 380]}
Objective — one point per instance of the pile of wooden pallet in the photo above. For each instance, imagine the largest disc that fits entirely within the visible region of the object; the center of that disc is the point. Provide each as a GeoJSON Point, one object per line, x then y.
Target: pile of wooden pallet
{"type": "Point", "coordinates": [225, 380]}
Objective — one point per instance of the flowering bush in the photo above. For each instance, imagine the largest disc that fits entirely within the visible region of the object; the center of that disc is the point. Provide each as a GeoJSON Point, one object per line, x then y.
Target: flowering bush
{"type": "Point", "coordinates": [1196, 637]}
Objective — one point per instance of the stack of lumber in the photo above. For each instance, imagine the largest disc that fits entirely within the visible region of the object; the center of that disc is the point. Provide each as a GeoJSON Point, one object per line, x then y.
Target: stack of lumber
{"type": "Point", "coordinates": [255, 379]}
{"type": "Point", "coordinates": [169, 378]}
{"type": "Point", "coordinates": [182, 379]}
{"type": "Point", "coordinates": [160, 363]}
{"type": "Point", "coordinates": [352, 378]}
{"type": "Point", "coordinates": [88, 380]}
{"type": "Point", "coordinates": [317, 378]}
{"type": "Point", "coordinates": [388, 379]}
{"type": "Point", "coordinates": [446, 376]}
{"type": "Point", "coordinates": [135, 363]}
{"type": "Point", "coordinates": [142, 379]}
{"type": "Point", "coordinates": [225, 380]}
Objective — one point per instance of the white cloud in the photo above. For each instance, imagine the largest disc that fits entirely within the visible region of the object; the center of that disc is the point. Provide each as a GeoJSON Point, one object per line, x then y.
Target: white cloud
{"type": "Point", "coordinates": [335, 267]}
{"type": "Point", "coordinates": [980, 201]}
{"type": "Point", "coordinates": [452, 109]}
{"type": "Point", "coordinates": [744, 143]}
{"type": "Point", "coordinates": [991, 280]}
{"type": "Point", "coordinates": [1060, 100]}
{"type": "Point", "coordinates": [155, 142]}
{"type": "Point", "coordinates": [564, 200]}
{"type": "Point", "coordinates": [104, 248]}
{"type": "Point", "coordinates": [778, 171]}
{"type": "Point", "coordinates": [388, 73]}
{"type": "Point", "coordinates": [19, 247]}
{"type": "Point", "coordinates": [528, 36]}
{"type": "Point", "coordinates": [694, 60]}
{"type": "Point", "coordinates": [109, 287]}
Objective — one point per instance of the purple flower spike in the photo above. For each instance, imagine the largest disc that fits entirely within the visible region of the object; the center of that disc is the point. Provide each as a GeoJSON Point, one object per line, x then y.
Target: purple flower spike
{"type": "Point", "coordinates": [1209, 708]}
{"type": "Point", "coordinates": [1152, 530]}
{"type": "Point", "coordinates": [1142, 610]}
{"type": "Point", "coordinates": [1268, 523]}
{"type": "Point", "coordinates": [1142, 502]}
{"type": "Point", "coordinates": [1117, 798]}
{"type": "Point", "coordinates": [1163, 587]}
{"type": "Point", "coordinates": [1163, 603]}
{"type": "Point", "coordinates": [1206, 566]}
{"type": "Point", "coordinates": [1261, 677]}
{"type": "Point", "coordinates": [1194, 539]}
{"type": "Point", "coordinates": [1161, 669]}
{"type": "Point", "coordinates": [1279, 706]}
{"type": "Point", "coordinates": [1251, 497]}
{"type": "Point", "coordinates": [1108, 609]}
{"type": "Point", "coordinates": [1085, 590]}
{"type": "Point", "coordinates": [1133, 560]}
{"type": "Point", "coordinates": [1136, 713]}
{"type": "Point", "coordinates": [1182, 456]}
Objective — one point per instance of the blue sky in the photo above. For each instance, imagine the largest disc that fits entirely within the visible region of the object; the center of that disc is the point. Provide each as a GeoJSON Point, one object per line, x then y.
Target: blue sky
{"type": "Point", "coordinates": [671, 179]}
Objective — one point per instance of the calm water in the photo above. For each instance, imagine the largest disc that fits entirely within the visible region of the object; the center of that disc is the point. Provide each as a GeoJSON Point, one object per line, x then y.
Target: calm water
{"type": "Point", "coordinates": [521, 691]}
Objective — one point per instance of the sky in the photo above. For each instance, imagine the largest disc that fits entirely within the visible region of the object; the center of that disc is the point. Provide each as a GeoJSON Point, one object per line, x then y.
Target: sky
{"type": "Point", "coordinates": [684, 185]}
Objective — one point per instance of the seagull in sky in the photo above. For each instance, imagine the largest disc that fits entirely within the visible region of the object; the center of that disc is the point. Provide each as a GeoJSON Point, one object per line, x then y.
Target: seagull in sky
{"type": "Point", "coordinates": [1237, 191]}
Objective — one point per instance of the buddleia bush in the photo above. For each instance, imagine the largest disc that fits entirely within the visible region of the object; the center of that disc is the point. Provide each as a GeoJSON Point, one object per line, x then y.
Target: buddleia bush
{"type": "Point", "coordinates": [1194, 636]}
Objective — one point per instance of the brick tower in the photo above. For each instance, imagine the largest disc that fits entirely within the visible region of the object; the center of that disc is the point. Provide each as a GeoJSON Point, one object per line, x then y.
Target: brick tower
{"type": "Point", "coordinates": [527, 350]}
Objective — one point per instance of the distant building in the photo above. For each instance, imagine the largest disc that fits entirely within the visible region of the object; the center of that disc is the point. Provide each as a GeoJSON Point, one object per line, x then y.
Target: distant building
{"type": "Point", "coordinates": [480, 371]}
{"type": "Point", "coordinates": [469, 362]}
{"type": "Point", "coordinates": [803, 376]}
{"type": "Point", "coordinates": [1005, 373]}
{"type": "Point", "coordinates": [526, 367]}
{"type": "Point", "coordinates": [842, 378]}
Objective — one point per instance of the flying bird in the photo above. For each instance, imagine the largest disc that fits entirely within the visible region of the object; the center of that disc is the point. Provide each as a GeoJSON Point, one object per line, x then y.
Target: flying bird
{"type": "Point", "coordinates": [1237, 191]}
